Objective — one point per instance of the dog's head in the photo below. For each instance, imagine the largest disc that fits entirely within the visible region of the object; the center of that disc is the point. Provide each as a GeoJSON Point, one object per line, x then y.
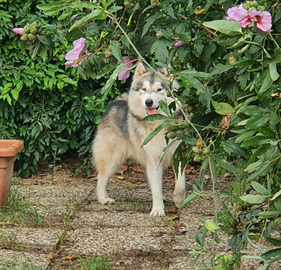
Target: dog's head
{"type": "Point", "coordinates": [148, 89]}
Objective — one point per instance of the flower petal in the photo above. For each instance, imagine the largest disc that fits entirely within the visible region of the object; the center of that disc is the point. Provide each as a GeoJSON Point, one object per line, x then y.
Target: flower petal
{"type": "Point", "coordinates": [244, 23]}
{"type": "Point", "coordinates": [236, 13]}
{"type": "Point", "coordinates": [74, 54]}
{"type": "Point", "coordinates": [127, 62]}
{"type": "Point", "coordinates": [123, 75]}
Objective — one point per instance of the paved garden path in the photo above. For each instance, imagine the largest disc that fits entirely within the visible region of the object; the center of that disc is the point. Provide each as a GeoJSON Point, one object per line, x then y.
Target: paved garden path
{"type": "Point", "coordinates": [74, 225]}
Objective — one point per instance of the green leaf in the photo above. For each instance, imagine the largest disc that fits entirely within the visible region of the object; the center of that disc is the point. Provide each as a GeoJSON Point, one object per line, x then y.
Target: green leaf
{"type": "Point", "coordinates": [154, 133]}
{"type": "Point", "coordinates": [212, 166]}
{"type": "Point", "coordinates": [196, 84]}
{"type": "Point", "coordinates": [266, 83]}
{"type": "Point", "coordinates": [112, 79]}
{"type": "Point", "coordinates": [245, 136]}
{"type": "Point", "coordinates": [164, 108]}
{"type": "Point", "coordinates": [253, 141]}
{"type": "Point", "coordinates": [190, 140]}
{"type": "Point", "coordinates": [231, 28]}
{"type": "Point", "coordinates": [245, 63]}
{"type": "Point", "coordinates": [86, 18]}
{"type": "Point", "coordinates": [154, 117]}
{"type": "Point", "coordinates": [257, 120]}
{"type": "Point", "coordinates": [267, 131]}
{"type": "Point", "coordinates": [274, 75]}
{"type": "Point", "coordinates": [185, 80]}
{"type": "Point", "coordinates": [273, 241]}
{"type": "Point", "coordinates": [269, 214]}
{"type": "Point", "coordinates": [220, 68]}
{"type": "Point", "coordinates": [160, 49]}
{"type": "Point", "coordinates": [149, 22]}
{"type": "Point", "coordinates": [211, 226]}
{"type": "Point", "coordinates": [15, 94]}
{"type": "Point", "coordinates": [114, 9]}
{"type": "Point", "coordinates": [229, 167]}
{"type": "Point", "coordinates": [115, 48]}
{"type": "Point", "coordinates": [106, 70]}
{"type": "Point", "coordinates": [276, 195]}
{"type": "Point", "coordinates": [222, 108]}
{"type": "Point", "coordinates": [254, 199]}
{"type": "Point", "coordinates": [271, 253]}
{"type": "Point", "coordinates": [187, 201]}
{"type": "Point", "coordinates": [260, 188]}
{"type": "Point", "coordinates": [252, 110]}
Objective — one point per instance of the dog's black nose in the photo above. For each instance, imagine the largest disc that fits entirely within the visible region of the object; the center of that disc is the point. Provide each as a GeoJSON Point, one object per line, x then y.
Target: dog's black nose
{"type": "Point", "coordinates": [149, 103]}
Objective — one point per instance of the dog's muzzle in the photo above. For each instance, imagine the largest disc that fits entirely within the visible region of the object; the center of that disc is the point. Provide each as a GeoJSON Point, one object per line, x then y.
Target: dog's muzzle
{"type": "Point", "coordinates": [149, 109]}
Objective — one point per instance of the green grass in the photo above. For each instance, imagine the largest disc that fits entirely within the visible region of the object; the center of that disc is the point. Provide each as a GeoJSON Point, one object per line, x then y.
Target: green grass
{"type": "Point", "coordinates": [9, 240]}
{"type": "Point", "coordinates": [94, 263]}
{"type": "Point", "coordinates": [19, 212]}
{"type": "Point", "coordinates": [17, 264]}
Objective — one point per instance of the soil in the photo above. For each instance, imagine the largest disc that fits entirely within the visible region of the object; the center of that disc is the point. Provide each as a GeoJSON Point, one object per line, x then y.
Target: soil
{"type": "Point", "coordinates": [75, 226]}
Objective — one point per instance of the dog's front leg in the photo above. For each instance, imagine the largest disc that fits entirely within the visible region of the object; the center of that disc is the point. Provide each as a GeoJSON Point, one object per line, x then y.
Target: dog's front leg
{"type": "Point", "coordinates": [154, 175]}
{"type": "Point", "coordinates": [179, 192]}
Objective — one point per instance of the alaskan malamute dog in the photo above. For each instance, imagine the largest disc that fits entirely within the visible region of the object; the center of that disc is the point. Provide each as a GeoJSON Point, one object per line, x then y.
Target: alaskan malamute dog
{"type": "Point", "coordinates": [121, 133]}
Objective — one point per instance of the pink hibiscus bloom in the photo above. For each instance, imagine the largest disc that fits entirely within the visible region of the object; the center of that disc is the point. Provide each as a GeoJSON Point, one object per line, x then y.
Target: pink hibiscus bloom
{"type": "Point", "coordinates": [262, 18]}
{"type": "Point", "coordinates": [73, 57]}
{"type": "Point", "coordinates": [236, 13]}
{"type": "Point", "coordinates": [125, 73]}
{"type": "Point", "coordinates": [18, 31]}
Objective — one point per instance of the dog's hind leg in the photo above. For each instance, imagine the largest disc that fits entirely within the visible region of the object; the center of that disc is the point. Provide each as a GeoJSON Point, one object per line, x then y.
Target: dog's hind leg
{"type": "Point", "coordinates": [154, 174]}
{"type": "Point", "coordinates": [179, 192]}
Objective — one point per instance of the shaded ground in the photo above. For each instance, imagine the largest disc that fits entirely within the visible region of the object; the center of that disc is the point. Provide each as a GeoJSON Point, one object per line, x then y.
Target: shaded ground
{"type": "Point", "coordinates": [70, 225]}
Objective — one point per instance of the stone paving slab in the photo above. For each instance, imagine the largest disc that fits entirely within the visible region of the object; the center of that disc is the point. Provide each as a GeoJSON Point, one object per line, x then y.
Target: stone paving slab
{"type": "Point", "coordinates": [112, 240]}
{"type": "Point", "coordinates": [33, 236]}
{"type": "Point", "coordinates": [16, 260]}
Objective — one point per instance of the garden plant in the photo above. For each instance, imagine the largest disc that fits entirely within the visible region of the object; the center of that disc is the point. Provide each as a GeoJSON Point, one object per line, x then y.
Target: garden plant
{"type": "Point", "coordinates": [68, 59]}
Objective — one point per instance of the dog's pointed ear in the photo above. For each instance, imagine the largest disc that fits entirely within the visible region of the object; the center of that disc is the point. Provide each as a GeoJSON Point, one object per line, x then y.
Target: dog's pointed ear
{"type": "Point", "coordinates": [140, 70]}
{"type": "Point", "coordinates": [165, 73]}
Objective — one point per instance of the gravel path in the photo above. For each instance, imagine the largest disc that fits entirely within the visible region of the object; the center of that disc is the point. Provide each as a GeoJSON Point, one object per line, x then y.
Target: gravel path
{"type": "Point", "coordinates": [124, 232]}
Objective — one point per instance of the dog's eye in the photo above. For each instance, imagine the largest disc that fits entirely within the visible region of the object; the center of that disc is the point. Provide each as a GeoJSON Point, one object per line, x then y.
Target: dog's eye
{"type": "Point", "coordinates": [160, 89]}
{"type": "Point", "coordinates": [143, 89]}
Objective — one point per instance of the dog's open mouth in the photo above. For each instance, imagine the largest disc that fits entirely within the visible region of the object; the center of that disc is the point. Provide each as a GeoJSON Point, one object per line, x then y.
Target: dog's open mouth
{"type": "Point", "coordinates": [151, 111]}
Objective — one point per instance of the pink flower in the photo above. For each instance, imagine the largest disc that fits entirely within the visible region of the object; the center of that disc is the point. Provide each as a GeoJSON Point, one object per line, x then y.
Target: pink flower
{"type": "Point", "coordinates": [125, 73]}
{"type": "Point", "coordinates": [262, 18]}
{"type": "Point", "coordinates": [178, 44]}
{"type": "Point", "coordinates": [73, 56]}
{"type": "Point", "coordinates": [236, 13]}
{"type": "Point", "coordinates": [18, 31]}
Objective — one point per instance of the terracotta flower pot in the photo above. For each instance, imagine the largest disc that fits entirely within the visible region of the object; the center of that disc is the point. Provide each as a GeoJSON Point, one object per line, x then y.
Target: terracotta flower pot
{"type": "Point", "coordinates": [8, 151]}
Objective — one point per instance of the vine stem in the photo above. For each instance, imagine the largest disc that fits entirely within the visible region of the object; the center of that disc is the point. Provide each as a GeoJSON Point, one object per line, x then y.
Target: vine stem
{"type": "Point", "coordinates": [274, 41]}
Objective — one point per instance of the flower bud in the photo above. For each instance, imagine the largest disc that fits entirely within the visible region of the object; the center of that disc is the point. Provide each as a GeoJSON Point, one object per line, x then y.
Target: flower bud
{"type": "Point", "coordinates": [107, 53]}
{"type": "Point", "coordinates": [195, 150]}
{"type": "Point", "coordinates": [26, 29]}
{"type": "Point", "coordinates": [33, 29]}
{"type": "Point", "coordinates": [159, 34]}
{"type": "Point", "coordinates": [31, 37]}
{"type": "Point", "coordinates": [231, 60]}
{"type": "Point", "coordinates": [178, 44]}
{"type": "Point", "coordinates": [260, 8]}
{"type": "Point", "coordinates": [171, 135]}
{"type": "Point", "coordinates": [23, 37]}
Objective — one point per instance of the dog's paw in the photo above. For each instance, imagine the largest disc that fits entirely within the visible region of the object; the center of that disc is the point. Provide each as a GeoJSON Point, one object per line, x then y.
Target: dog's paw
{"type": "Point", "coordinates": [179, 198]}
{"type": "Point", "coordinates": [106, 200]}
{"type": "Point", "coordinates": [157, 212]}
